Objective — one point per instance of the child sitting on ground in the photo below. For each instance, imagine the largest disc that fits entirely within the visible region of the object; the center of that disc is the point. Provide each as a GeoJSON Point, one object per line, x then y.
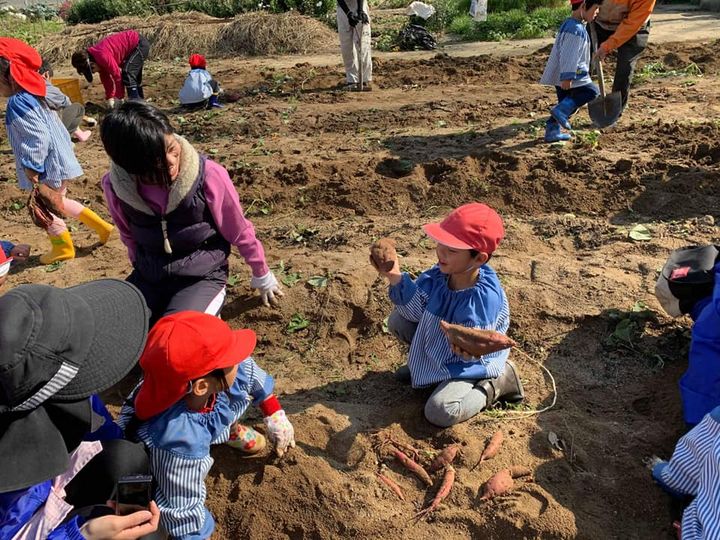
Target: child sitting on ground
{"type": "Point", "coordinates": [41, 145]}
{"type": "Point", "coordinates": [461, 289]}
{"type": "Point", "coordinates": [199, 89]}
{"type": "Point", "coordinates": [568, 69]}
{"type": "Point", "coordinates": [694, 471]}
{"type": "Point", "coordinates": [71, 114]}
{"type": "Point", "coordinates": [199, 379]}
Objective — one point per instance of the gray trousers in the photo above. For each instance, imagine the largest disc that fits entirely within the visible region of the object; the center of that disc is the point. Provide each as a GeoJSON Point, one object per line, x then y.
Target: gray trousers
{"type": "Point", "coordinates": [348, 38]}
{"type": "Point", "coordinates": [71, 116]}
{"type": "Point", "coordinates": [452, 401]}
{"type": "Point", "coordinates": [627, 56]}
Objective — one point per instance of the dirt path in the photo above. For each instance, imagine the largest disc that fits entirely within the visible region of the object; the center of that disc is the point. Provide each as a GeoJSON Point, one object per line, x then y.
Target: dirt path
{"type": "Point", "coordinates": [323, 173]}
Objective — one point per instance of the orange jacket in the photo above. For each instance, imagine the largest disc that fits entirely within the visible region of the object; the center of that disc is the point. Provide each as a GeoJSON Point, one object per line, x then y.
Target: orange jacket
{"type": "Point", "coordinates": [626, 17]}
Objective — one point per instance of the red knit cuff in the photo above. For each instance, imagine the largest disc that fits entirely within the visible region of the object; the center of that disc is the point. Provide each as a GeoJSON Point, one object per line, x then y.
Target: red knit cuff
{"type": "Point", "coordinates": [270, 406]}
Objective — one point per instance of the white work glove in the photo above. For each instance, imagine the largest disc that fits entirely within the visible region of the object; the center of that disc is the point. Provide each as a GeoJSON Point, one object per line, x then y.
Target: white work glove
{"type": "Point", "coordinates": [268, 286]}
{"type": "Point", "coordinates": [280, 432]}
{"type": "Point", "coordinates": [113, 102]}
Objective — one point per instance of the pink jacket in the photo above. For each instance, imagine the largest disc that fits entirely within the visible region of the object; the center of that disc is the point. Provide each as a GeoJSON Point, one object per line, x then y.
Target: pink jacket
{"type": "Point", "coordinates": [109, 54]}
{"type": "Point", "coordinates": [224, 203]}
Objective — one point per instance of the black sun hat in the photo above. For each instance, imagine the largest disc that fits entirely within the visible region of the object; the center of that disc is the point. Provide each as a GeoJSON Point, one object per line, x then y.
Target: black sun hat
{"type": "Point", "coordinates": [57, 348]}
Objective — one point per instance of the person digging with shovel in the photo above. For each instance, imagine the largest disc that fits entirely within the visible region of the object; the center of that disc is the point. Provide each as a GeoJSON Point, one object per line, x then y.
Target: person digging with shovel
{"type": "Point", "coordinates": [568, 69]}
{"type": "Point", "coordinates": [353, 24]}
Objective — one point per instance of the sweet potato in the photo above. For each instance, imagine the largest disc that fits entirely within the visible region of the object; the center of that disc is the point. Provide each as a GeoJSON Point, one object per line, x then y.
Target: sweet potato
{"type": "Point", "coordinates": [383, 254]}
{"type": "Point", "coordinates": [474, 342]}
{"type": "Point", "coordinates": [501, 482]}
{"type": "Point", "coordinates": [392, 485]}
{"type": "Point", "coordinates": [491, 449]}
{"type": "Point", "coordinates": [444, 491]}
{"type": "Point", "coordinates": [413, 467]}
{"type": "Point", "coordinates": [444, 458]}
{"type": "Point", "coordinates": [519, 470]}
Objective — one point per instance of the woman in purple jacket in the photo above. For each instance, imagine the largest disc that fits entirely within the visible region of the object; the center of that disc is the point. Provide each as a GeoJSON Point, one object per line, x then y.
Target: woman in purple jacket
{"type": "Point", "coordinates": [178, 214]}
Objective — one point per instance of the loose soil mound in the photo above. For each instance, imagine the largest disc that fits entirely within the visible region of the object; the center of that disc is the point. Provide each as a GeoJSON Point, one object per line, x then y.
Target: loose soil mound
{"type": "Point", "coordinates": [177, 34]}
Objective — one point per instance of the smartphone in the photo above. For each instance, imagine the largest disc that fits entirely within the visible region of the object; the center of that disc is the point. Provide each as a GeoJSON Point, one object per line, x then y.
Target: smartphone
{"type": "Point", "coordinates": [133, 493]}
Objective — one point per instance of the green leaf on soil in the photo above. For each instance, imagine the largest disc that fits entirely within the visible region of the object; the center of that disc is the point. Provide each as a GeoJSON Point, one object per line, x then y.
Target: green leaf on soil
{"type": "Point", "coordinates": [640, 233]}
{"type": "Point", "coordinates": [318, 281]}
{"type": "Point", "coordinates": [54, 267]}
{"type": "Point", "coordinates": [233, 280]}
{"type": "Point", "coordinates": [297, 322]}
{"type": "Point", "coordinates": [291, 279]}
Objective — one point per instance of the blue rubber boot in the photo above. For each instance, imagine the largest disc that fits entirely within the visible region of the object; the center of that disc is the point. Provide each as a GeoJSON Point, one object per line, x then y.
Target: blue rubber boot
{"type": "Point", "coordinates": [563, 111]}
{"type": "Point", "coordinates": [553, 133]}
{"type": "Point", "coordinates": [213, 102]}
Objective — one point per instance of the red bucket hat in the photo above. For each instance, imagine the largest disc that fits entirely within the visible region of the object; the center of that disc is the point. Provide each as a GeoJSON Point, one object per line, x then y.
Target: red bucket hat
{"type": "Point", "coordinates": [197, 61]}
{"type": "Point", "coordinates": [24, 64]}
{"type": "Point", "coordinates": [182, 347]}
{"type": "Point", "coordinates": [471, 226]}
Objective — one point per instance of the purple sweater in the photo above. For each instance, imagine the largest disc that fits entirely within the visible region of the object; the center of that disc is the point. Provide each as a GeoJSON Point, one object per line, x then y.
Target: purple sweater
{"type": "Point", "coordinates": [224, 203]}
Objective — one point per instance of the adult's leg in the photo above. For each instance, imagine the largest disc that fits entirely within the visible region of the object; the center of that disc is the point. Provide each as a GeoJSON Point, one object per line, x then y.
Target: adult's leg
{"type": "Point", "coordinates": [133, 67]}
{"type": "Point", "coordinates": [347, 45]}
{"type": "Point", "coordinates": [627, 57]}
{"type": "Point", "coordinates": [71, 116]}
{"type": "Point", "coordinates": [454, 401]}
{"type": "Point", "coordinates": [366, 49]}
{"type": "Point", "coordinates": [96, 481]}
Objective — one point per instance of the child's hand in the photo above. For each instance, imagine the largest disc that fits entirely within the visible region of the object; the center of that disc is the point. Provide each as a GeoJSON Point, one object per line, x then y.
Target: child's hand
{"type": "Point", "coordinates": [474, 342]}
{"type": "Point", "coordinates": [20, 252]}
{"type": "Point", "coordinates": [566, 85]}
{"type": "Point", "coordinates": [280, 432]}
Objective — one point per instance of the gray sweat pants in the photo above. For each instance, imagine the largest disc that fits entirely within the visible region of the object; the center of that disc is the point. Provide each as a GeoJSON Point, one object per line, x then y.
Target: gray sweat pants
{"type": "Point", "coordinates": [452, 401]}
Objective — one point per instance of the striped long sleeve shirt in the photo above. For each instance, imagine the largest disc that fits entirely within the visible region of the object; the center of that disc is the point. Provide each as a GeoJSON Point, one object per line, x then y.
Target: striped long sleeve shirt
{"type": "Point", "coordinates": [694, 470]}
{"type": "Point", "coordinates": [427, 301]}
{"type": "Point", "coordinates": [39, 142]}
{"type": "Point", "coordinates": [570, 56]}
{"type": "Point", "coordinates": [178, 443]}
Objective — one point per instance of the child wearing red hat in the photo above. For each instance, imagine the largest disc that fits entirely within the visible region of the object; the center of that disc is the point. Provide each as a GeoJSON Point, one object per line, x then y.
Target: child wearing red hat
{"type": "Point", "coordinates": [568, 69]}
{"type": "Point", "coordinates": [198, 380]}
{"type": "Point", "coordinates": [41, 144]}
{"type": "Point", "coordinates": [199, 89]}
{"type": "Point", "coordinates": [463, 290]}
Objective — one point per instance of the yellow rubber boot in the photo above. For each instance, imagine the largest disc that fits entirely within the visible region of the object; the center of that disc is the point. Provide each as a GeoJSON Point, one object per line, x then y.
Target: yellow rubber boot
{"type": "Point", "coordinates": [62, 249]}
{"type": "Point", "coordinates": [97, 224]}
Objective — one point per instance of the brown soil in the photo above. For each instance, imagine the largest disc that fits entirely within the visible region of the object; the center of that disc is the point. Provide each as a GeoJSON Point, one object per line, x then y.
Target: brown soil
{"type": "Point", "coordinates": [323, 174]}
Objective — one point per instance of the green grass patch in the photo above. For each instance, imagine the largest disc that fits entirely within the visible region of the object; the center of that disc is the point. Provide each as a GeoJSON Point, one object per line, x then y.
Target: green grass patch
{"type": "Point", "coordinates": [29, 31]}
{"type": "Point", "coordinates": [512, 24]}
{"type": "Point", "coordinates": [658, 70]}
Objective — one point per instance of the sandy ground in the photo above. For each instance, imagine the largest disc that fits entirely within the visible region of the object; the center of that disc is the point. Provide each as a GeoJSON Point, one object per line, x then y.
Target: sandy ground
{"type": "Point", "coordinates": [323, 173]}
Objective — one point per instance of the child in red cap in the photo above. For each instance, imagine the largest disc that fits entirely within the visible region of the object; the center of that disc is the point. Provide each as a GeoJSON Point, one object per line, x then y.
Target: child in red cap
{"type": "Point", "coordinates": [199, 89]}
{"type": "Point", "coordinates": [198, 380]}
{"type": "Point", "coordinates": [463, 290]}
{"type": "Point", "coordinates": [568, 69]}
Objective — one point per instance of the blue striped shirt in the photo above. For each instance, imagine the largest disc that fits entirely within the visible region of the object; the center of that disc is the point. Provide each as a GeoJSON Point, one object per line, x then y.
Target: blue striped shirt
{"type": "Point", "coordinates": [427, 301]}
{"type": "Point", "coordinates": [39, 142]}
{"type": "Point", "coordinates": [178, 442]}
{"type": "Point", "coordinates": [570, 56]}
{"type": "Point", "coordinates": [694, 470]}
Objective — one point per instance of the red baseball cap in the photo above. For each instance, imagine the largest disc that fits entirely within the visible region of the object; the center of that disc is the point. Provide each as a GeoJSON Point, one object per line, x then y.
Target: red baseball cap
{"type": "Point", "coordinates": [197, 61]}
{"type": "Point", "coordinates": [471, 226]}
{"type": "Point", "coordinates": [24, 64]}
{"type": "Point", "coordinates": [182, 347]}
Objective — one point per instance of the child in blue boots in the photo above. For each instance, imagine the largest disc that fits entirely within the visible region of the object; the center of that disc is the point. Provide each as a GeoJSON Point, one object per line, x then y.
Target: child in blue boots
{"type": "Point", "coordinates": [199, 89]}
{"type": "Point", "coordinates": [568, 69]}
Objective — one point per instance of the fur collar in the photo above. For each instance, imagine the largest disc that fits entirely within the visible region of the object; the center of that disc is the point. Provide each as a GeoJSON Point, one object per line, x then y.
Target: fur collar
{"type": "Point", "coordinates": [125, 186]}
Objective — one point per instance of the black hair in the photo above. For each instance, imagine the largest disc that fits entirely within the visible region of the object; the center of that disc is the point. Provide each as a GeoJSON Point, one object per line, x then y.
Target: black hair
{"type": "Point", "coordinates": [587, 4]}
{"type": "Point", "coordinates": [5, 69]}
{"type": "Point", "coordinates": [474, 253]}
{"type": "Point", "coordinates": [46, 67]}
{"type": "Point", "coordinates": [134, 137]}
{"type": "Point", "coordinates": [80, 60]}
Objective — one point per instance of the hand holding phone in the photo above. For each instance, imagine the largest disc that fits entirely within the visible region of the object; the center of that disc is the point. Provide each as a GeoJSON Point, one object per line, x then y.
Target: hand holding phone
{"type": "Point", "coordinates": [132, 494]}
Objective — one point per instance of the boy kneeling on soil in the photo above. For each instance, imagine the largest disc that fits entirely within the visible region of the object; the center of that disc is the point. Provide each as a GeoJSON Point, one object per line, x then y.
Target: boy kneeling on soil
{"type": "Point", "coordinates": [461, 290]}
{"type": "Point", "coordinates": [199, 379]}
{"type": "Point", "coordinates": [568, 69]}
{"type": "Point", "coordinates": [199, 89]}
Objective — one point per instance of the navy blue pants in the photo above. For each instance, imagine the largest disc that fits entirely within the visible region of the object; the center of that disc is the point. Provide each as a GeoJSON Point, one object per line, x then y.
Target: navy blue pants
{"type": "Point", "coordinates": [578, 97]}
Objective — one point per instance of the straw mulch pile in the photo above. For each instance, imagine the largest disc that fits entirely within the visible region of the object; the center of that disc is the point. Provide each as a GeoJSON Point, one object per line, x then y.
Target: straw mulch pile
{"type": "Point", "coordinates": [177, 34]}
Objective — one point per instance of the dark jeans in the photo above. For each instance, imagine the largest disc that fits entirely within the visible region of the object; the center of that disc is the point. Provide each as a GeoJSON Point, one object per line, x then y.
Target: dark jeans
{"type": "Point", "coordinates": [181, 293]}
{"type": "Point", "coordinates": [133, 67]}
{"type": "Point", "coordinates": [627, 57]}
{"type": "Point", "coordinates": [71, 116]}
{"type": "Point", "coordinates": [579, 96]}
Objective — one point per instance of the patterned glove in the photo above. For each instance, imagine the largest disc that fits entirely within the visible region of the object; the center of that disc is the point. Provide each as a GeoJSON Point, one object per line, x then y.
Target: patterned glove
{"type": "Point", "coordinates": [268, 286]}
{"type": "Point", "coordinates": [279, 430]}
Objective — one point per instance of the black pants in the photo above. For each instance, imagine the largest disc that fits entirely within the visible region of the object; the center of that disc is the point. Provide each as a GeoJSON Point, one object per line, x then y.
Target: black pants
{"type": "Point", "coordinates": [71, 116]}
{"type": "Point", "coordinates": [627, 56]}
{"type": "Point", "coordinates": [204, 104]}
{"type": "Point", "coordinates": [133, 67]}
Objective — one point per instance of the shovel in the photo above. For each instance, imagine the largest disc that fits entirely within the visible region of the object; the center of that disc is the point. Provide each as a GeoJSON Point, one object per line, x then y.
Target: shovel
{"type": "Point", "coordinates": [360, 58]}
{"type": "Point", "coordinates": [604, 110]}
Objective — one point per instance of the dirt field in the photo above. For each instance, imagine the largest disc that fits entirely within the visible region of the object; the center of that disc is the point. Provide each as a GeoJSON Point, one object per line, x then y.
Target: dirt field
{"type": "Point", "coordinates": [323, 173]}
